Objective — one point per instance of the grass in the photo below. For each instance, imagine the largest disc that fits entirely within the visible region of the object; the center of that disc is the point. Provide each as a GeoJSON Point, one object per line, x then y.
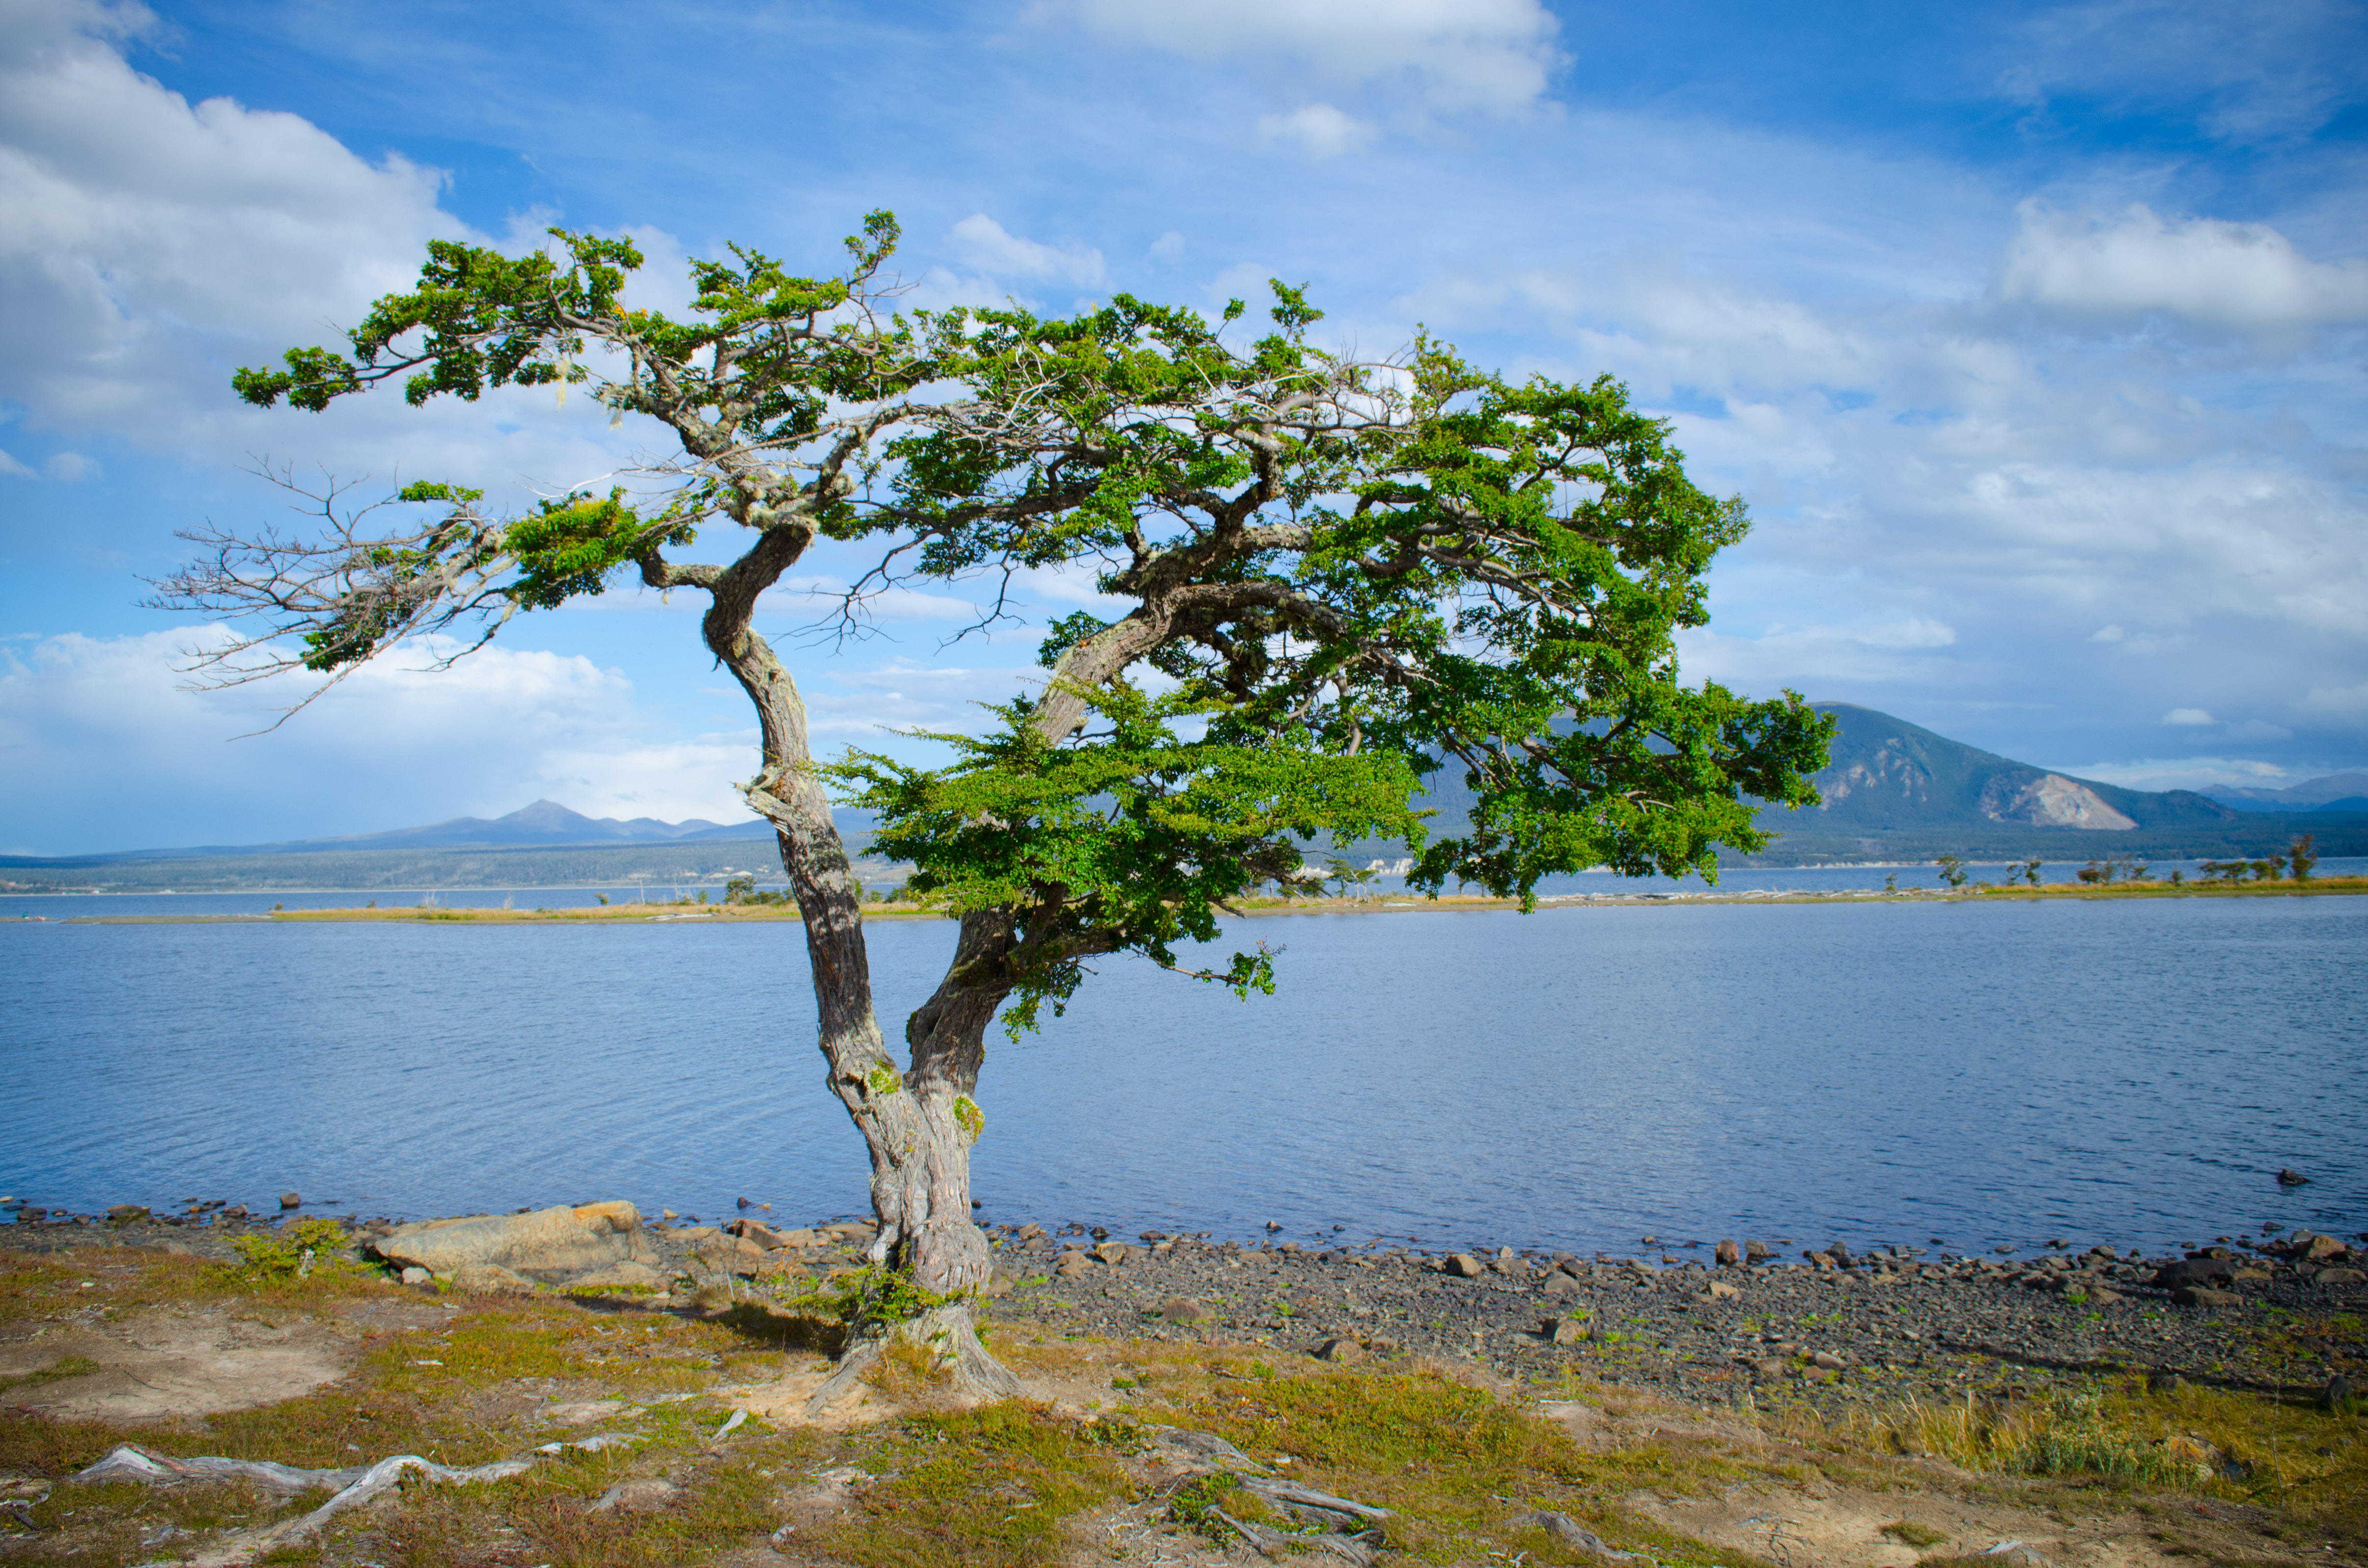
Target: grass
{"type": "Point", "coordinates": [1460, 1465]}
{"type": "Point", "coordinates": [2209, 1442]}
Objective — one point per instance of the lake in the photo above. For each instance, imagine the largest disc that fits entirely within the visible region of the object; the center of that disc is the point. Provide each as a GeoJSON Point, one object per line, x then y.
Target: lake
{"type": "Point", "coordinates": [1987, 1074]}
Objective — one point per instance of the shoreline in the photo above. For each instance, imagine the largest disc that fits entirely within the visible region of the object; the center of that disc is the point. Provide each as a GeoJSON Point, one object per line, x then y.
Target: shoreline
{"type": "Point", "coordinates": [1825, 1329]}
{"type": "Point", "coordinates": [683, 910]}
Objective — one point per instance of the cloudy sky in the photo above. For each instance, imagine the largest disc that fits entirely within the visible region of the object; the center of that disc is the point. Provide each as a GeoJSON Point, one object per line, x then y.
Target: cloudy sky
{"type": "Point", "coordinates": [2034, 335]}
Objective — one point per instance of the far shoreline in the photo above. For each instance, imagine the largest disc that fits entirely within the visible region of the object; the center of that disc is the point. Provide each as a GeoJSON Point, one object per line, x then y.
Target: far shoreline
{"type": "Point", "coordinates": [684, 910]}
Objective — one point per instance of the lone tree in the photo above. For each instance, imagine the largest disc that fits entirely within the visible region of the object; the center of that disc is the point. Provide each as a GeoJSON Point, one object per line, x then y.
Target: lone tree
{"type": "Point", "coordinates": [1340, 577]}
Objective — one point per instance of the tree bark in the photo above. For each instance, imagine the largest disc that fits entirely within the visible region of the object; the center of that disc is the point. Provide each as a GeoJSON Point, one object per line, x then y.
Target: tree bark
{"type": "Point", "coordinates": [918, 1127]}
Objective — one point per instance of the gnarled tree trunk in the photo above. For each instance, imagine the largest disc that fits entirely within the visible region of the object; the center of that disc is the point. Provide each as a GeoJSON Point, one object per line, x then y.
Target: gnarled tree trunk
{"type": "Point", "coordinates": [918, 1127]}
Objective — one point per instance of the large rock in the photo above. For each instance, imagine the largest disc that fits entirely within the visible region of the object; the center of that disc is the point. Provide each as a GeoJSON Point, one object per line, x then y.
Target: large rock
{"type": "Point", "coordinates": [491, 1280]}
{"type": "Point", "coordinates": [550, 1246]}
{"type": "Point", "coordinates": [2193, 1271]}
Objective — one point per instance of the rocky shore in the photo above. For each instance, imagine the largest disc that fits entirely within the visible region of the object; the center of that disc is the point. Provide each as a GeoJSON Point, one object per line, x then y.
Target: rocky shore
{"type": "Point", "coordinates": [1832, 1331]}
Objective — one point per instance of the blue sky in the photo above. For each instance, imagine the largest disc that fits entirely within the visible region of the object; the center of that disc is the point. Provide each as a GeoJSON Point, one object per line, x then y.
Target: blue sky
{"type": "Point", "coordinates": [2034, 335]}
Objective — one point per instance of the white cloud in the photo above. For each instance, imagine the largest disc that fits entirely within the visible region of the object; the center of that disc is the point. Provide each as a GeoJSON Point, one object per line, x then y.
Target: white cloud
{"type": "Point", "coordinates": [67, 468]}
{"type": "Point", "coordinates": [137, 231]}
{"type": "Point", "coordinates": [1320, 130]}
{"type": "Point", "coordinates": [2189, 717]}
{"type": "Point", "coordinates": [1490, 55]}
{"type": "Point", "coordinates": [2109, 634]}
{"type": "Point", "coordinates": [1168, 248]}
{"type": "Point", "coordinates": [9, 465]}
{"type": "Point", "coordinates": [986, 244]}
{"type": "Point", "coordinates": [2202, 270]}
{"type": "Point", "coordinates": [87, 723]}
{"type": "Point", "coordinates": [2182, 773]}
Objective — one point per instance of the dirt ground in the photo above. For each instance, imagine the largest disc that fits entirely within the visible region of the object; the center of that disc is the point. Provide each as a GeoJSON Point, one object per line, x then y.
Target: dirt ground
{"type": "Point", "coordinates": [649, 1434]}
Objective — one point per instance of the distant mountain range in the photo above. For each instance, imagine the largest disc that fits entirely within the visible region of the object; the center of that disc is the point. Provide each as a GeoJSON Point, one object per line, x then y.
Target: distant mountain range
{"type": "Point", "coordinates": [543, 824]}
{"type": "Point", "coordinates": [1893, 792]}
{"type": "Point", "coordinates": [2336, 792]}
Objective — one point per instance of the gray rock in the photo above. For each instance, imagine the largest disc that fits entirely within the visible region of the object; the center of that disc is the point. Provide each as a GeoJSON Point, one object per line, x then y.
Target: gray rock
{"type": "Point", "coordinates": [1756, 1251]}
{"type": "Point", "coordinates": [1728, 1256]}
{"type": "Point", "coordinates": [2293, 1178]}
{"type": "Point", "coordinates": [1339, 1348]}
{"type": "Point", "coordinates": [638, 1276]}
{"type": "Point", "coordinates": [2204, 1296]}
{"type": "Point", "coordinates": [1183, 1309]}
{"type": "Point", "coordinates": [1827, 1360]}
{"type": "Point", "coordinates": [491, 1280]}
{"type": "Point", "coordinates": [1563, 1331]}
{"type": "Point", "coordinates": [551, 1243]}
{"type": "Point", "coordinates": [1464, 1265]}
{"type": "Point", "coordinates": [291, 1201]}
{"type": "Point", "coordinates": [1560, 1284]}
{"type": "Point", "coordinates": [1115, 1253]}
{"type": "Point", "coordinates": [415, 1274]}
{"type": "Point", "coordinates": [2338, 1390]}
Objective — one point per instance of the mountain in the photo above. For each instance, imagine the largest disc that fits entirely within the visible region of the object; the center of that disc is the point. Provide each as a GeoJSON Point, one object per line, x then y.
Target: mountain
{"type": "Point", "coordinates": [1893, 791]}
{"type": "Point", "coordinates": [1888, 774]}
{"type": "Point", "coordinates": [543, 823]}
{"type": "Point", "coordinates": [2335, 793]}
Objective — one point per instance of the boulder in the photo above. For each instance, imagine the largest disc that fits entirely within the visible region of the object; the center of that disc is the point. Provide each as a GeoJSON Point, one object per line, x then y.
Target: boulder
{"type": "Point", "coordinates": [1728, 1256]}
{"type": "Point", "coordinates": [126, 1213]}
{"type": "Point", "coordinates": [415, 1274]}
{"type": "Point", "coordinates": [291, 1201]}
{"type": "Point", "coordinates": [1183, 1309]}
{"type": "Point", "coordinates": [756, 1231]}
{"type": "Point", "coordinates": [491, 1280]}
{"type": "Point", "coordinates": [622, 1276]}
{"type": "Point", "coordinates": [1563, 1331]}
{"type": "Point", "coordinates": [1114, 1253]}
{"type": "Point", "coordinates": [1560, 1284]}
{"type": "Point", "coordinates": [1071, 1265]}
{"type": "Point", "coordinates": [1462, 1265]}
{"type": "Point", "coordinates": [549, 1244]}
{"type": "Point", "coordinates": [2319, 1249]}
{"type": "Point", "coordinates": [2204, 1296]}
{"type": "Point", "coordinates": [1719, 1291]}
{"type": "Point", "coordinates": [1827, 1360]}
{"type": "Point", "coordinates": [2193, 1271]}
{"type": "Point", "coordinates": [2340, 1277]}
{"type": "Point", "coordinates": [1339, 1348]}
{"type": "Point", "coordinates": [1756, 1251]}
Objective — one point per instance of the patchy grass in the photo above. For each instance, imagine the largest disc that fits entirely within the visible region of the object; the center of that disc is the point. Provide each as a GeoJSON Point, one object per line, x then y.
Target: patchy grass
{"type": "Point", "coordinates": [1459, 1465]}
{"type": "Point", "coordinates": [991, 1488]}
{"type": "Point", "coordinates": [2223, 1443]}
{"type": "Point", "coordinates": [1913, 1534]}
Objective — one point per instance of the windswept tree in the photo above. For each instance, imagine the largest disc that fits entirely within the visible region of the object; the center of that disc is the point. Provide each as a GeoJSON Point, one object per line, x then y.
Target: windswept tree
{"type": "Point", "coordinates": [1338, 578]}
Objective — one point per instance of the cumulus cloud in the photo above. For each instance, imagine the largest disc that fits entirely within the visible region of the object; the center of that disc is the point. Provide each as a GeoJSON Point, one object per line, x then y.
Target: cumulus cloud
{"type": "Point", "coordinates": [2189, 717]}
{"type": "Point", "coordinates": [1319, 129]}
{"type": "Point", "coordinates": [138, 231]}
{"type": "Point", "coordinates": [2241, 276]}
{"type": "Point", "coordinates": [1448, 56]}
{"type": "Point", "coordinates": [87, 723]}
{"type": "Point", "coordinates": [986, 244]}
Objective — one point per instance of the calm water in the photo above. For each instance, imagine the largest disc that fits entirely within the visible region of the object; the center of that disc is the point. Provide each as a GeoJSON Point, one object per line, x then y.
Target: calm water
{"type": "Point", "coordinates": [1987, 1074]}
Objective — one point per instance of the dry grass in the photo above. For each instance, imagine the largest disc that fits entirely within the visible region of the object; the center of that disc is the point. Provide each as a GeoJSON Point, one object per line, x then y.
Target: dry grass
{"type": "Point", "coordinates": [2240, 1446]}
{"type": "Point", "coordinates": [1460, 1465]}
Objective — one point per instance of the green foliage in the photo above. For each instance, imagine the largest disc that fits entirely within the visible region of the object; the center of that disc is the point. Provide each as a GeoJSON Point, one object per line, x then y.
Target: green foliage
{"type": "Point", "coordinates": [291, 1254]}
{"type": "Point", "coordinates": [1343, 576]}
{"type": "Point", "coordinates": [1130, 838]}
{"type": "Point", "coordinates": [1952, 871]}
{"type": "Point", "coordinates": [2304, 855]}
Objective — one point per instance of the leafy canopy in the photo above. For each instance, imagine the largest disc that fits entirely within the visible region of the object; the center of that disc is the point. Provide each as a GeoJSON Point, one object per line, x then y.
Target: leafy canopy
{"type": "Point", "coordinates": [1322, 580]}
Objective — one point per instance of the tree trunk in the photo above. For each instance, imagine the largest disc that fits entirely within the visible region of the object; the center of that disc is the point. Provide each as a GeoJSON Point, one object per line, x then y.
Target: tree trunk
{"type": "Point", "coordinates": [919, 1128]}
